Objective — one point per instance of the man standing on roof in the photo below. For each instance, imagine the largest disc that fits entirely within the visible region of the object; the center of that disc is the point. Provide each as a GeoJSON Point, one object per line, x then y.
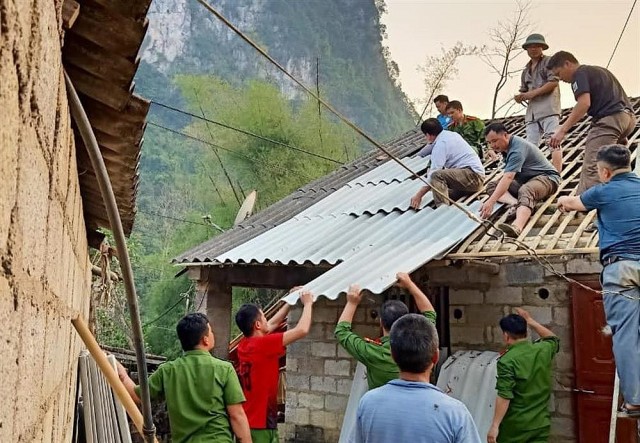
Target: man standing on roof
{"type": "Point", "coordinates": [539, 87]}
{"type": "Point", "coordinates": [455, 168]}
{"type": "Point", "coordinates": [410, 408]}
{"type": "Point", "coordinates": [528, 178]}
{"type": "Point", "coordinates": [259, 353]}
{"type": "Point", "coordinates": [470, 128]}
{"type": "Point", "coordinates": [524, 382]}
{"type": "Point", "coordinates": [441, 102]}
{"type": "Point", "coordinates": [376, 355]}
{"type": "Point", "coordinates": [203, 395]}
{"type": "Point", "coordinates": [599, 94]}
{"type": "Point", "coordinates": [617, 201]}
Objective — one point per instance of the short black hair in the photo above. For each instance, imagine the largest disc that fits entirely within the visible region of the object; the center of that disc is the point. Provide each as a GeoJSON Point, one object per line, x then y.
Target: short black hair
{"type": "Point", "coordinates": [455, 104]}
{"type": "Point", "coordinates": [431, 126]}
{"type": "Point", "coordinates": [246, 316]}
{"type": "Point", "coordinates": [558, 59]}
{"type": "Point", "coordinates": [514, 326]}
{"type": "Point", "coordinates": [616, 156]}
{"type": "Point", "coordinates": [391, 311]}
{"type": "Point", "coordinates": [441, 99]}
{"type": "Point", "coordinates": [191, 328]}
{"type": "Point", "coordinates": [414, 342]}
{"type": "Point", "coordinates": [498, 128]}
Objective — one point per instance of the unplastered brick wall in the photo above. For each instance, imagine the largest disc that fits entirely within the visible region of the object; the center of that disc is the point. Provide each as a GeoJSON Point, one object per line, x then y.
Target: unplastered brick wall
{"type": "Point", "coordinates": [320, 372]}
{"type": "Point", "coordinates": [44, 264]}
{"type": "Point", "coordinates": [480, 299]}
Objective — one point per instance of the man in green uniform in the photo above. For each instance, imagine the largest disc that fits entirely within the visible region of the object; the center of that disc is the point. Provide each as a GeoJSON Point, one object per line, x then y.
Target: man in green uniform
{"type": "Point", "coordinates": [203, 394]}
{"type": "Point", "coordinates": [524, 382]}
{"type": "Point", "coordinates": [470, 128]}
{"type": "Point", "coordinates": [376, 354]}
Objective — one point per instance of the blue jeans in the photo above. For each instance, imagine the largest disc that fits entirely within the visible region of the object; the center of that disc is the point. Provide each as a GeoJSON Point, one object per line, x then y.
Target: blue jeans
{"type": "Point", "coordinates": [623, 316]}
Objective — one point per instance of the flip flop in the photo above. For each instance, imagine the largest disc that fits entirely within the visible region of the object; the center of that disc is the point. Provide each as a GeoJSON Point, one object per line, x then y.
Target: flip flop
{"type": "Point", "coordinates": [624, 411]}
{"type": "Point", "coordinates": [511, 213]}
{"type": "Point", "coordinates": [509, 230]}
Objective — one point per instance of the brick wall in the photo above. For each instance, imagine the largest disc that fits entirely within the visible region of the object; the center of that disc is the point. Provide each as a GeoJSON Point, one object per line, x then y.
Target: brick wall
{"type": "Point", "coordinates": [319, 373]}
{"type": "Point", "coordinates": [44, 274]}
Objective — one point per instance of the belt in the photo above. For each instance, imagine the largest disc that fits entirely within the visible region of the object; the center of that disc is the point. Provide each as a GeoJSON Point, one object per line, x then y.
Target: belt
{"type": "Point", "coordinates": [611, 260]}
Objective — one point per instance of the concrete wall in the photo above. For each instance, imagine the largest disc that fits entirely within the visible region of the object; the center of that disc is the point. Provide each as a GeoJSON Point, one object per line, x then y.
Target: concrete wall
{"type": "Point", "coordinates": [319, 371]}
{"type": "Point", "coordinates": [44, 274]}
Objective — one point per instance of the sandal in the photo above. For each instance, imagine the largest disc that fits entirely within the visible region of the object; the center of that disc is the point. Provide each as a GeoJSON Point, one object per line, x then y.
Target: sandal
{"type": "Point", "coordinates": [509, 231]}
{"type": "Point", "coordinates": [624, 411]}
{"type": "Point", "coordinates": [511, 213]}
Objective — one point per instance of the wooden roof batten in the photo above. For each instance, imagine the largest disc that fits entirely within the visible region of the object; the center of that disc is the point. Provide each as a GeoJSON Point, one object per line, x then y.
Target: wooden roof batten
{"type": "Point", "coordinates": [100, 55]}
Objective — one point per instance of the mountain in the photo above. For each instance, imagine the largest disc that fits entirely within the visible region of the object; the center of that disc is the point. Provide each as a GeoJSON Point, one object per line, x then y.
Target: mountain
{"type": "Point", "coordinates": [341, 37]}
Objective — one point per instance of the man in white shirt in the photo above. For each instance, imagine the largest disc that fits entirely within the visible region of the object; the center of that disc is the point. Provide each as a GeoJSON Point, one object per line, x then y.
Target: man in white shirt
{"type": "Point", "coordinates": [456, 170]}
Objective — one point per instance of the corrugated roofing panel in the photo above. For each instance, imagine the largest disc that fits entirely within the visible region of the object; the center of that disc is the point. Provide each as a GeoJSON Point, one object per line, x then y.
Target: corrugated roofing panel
{"type": "Point", "coordinates": [391, 171]}
{"type": "Point", "coordinates": [470, 376]}
{"type": "Point", "coordinates": [397, 243]}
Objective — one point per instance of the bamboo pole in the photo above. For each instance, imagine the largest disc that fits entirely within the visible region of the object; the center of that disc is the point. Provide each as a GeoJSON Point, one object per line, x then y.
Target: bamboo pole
{"type": "Point", "coordinates": [109, 373]}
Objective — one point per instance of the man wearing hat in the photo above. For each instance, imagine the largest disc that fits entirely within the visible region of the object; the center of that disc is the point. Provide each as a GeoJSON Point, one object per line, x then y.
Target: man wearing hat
{"type": "Point", "coordinates": [539, 89]}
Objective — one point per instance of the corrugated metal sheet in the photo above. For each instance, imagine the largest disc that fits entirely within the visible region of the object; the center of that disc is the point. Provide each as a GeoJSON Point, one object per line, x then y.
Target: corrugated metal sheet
{"type": "Point", "coordinates": [470, 376]}
{"type": "Point", "coordinates": [391, 171]}
{"type": "Point", "coordinates": [392, 243]}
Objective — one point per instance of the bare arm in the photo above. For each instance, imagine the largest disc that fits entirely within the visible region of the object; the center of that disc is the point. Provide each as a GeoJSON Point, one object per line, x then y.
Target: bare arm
{"type": "Point", "coordinates": [545, 89]}
{"type": "Point", "coordinates": [239, 423]}
{"type": "Point", "coordinates": [354, 297]}
{"type": "Point", "coordinates": [502, 405]}
{"type": "Point", "coordinates": [127, 382]}
{"type": "Point", "coordinates": [279, 317]}
{"type": "Point", "coordinates": [542, 331]}
{"type": "Point", "coordinates": [304, 324]}
{"type": "Point", "coordinates": [422, 301]}
{"type": "Point", "coordinates": [578, 111]}
{"type": "Point", "coordinates": [574, 203]}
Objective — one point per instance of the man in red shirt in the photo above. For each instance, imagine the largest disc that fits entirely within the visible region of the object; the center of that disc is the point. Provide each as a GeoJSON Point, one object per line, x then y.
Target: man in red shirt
{"type": "Point", "coordinates": [259, 354]}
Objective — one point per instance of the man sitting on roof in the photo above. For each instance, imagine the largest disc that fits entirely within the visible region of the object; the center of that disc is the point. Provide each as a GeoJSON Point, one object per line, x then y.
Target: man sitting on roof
{"type": "Point", "coordinates": [259, 354]}
{"type": "Point", "coordinates": [376, 355]}
{"type": "Point", "coordinates": [455, 168]}
{"type": "Point", "coordinates": [528, 178]}
{"type": "Point", "coordinates": [617, 201]}
{"type": "Point", "coordinates": [470, 128]}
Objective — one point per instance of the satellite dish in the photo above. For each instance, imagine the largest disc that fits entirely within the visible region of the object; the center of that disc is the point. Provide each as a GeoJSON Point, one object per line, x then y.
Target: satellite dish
{"type": "Point", "coordinates": [246, 209]}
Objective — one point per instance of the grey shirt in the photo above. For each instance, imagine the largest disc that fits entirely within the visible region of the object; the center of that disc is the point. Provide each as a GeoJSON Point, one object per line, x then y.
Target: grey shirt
{"type": "Point", "coordinates": [543, 105]}
{"type": "Point", "coordinates": [527, 161]}
{"type": "Point", "coordinates": [607, 95]}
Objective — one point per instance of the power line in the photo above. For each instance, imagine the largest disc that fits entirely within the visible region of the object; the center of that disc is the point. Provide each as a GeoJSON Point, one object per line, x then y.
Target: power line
{"type": "Point", "coordinates": [622, 32]}
{"type": "Point", "coordinates": [174, 218]}
{"type": "Point", "coordinates": [486, 223]}
{"type": "Point", "coordinates": [231, 151]}
{"type": "Point", "coordinates": [245, 132]}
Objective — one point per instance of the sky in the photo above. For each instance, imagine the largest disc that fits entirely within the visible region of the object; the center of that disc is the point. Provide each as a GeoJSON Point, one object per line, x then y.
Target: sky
{"type": "Point", "coordinates": [587, 28]}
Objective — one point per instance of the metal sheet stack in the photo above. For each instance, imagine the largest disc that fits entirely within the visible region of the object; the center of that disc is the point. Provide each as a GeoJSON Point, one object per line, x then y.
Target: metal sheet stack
{"type": "Point", "coordinates": [105, 419]}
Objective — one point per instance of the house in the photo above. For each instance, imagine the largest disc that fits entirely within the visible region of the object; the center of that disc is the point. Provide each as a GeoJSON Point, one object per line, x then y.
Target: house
{"type": "Point", "coordinates": [355, 226]}
{"type": "Point", "coordinates": [50, 205]}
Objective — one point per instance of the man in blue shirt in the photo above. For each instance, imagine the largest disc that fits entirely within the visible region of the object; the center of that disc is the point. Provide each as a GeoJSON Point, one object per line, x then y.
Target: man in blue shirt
{"type": "Point", "coordinates": [617, 201]}
{"type": "Point", "coordinates": [528, 178]}
{"type": "Point", "coordinates": [456, 170]}
{"type": "Point", "coordinates": [441, 103]}
{"type": "Point", "coordinates": [410, 409]}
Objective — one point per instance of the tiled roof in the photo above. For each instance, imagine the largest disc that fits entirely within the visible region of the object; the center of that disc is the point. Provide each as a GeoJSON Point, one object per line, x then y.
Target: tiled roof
{"type": "Point", "coordinates": [100, 54]}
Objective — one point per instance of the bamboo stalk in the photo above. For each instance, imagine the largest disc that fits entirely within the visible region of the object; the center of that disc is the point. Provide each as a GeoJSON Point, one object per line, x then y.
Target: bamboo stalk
{"type": "Point", "coordinates": [109, 373]}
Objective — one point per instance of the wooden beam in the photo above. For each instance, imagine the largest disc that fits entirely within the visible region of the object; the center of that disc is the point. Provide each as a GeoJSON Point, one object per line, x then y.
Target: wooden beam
{"type": "Point", "coordinates": [262, 276]}
{"type": "Point", "coordinates": [70, 12]}
{"type": "Point", "coordinates": [522, 253]}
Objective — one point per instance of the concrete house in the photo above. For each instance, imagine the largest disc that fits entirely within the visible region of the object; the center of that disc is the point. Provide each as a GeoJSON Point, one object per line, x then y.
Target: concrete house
{"type": "Point", "coordinates": [50, 205]}
{"type": "Point", "coordinates": [355, 226]}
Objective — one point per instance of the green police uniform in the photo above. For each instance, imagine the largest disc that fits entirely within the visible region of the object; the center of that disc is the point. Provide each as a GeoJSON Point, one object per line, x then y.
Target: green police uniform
{"type": "Point", "coordinates": [375, 355]}
{"type": "Point", "coordinates": [524, 378]}
{"type": "Point", "coordinates": [472, 130]}
{"type": "Point", "coordinates": [197, 388]}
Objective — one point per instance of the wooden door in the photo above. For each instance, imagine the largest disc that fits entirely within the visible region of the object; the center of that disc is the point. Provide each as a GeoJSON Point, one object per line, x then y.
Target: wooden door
{"type": "Point", "coordinates": [594, 370]}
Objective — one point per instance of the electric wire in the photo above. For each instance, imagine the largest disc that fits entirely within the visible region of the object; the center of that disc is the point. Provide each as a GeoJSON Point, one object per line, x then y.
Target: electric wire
{"type": "Point", "coordinates": [245, 132]}
{"type": "Point", "coordinates": [501, 237]}
{"type": "Point", "coordinates": [624, 28]}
